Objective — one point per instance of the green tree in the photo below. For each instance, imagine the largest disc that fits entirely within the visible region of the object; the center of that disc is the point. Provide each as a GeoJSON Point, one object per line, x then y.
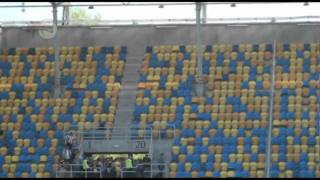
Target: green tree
{"type": "Point", "coordinates": [80, 16]}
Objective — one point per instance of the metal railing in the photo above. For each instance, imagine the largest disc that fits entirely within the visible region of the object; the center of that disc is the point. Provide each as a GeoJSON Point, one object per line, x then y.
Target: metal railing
{"type": "Point", "coordinates": [123, 133]}
{"type": "Point", "coordinates": [247, 20]}
{"type": "Point", "coordinates": [147, 173]}
{"type": "Point", "coordinates": [75, 171]}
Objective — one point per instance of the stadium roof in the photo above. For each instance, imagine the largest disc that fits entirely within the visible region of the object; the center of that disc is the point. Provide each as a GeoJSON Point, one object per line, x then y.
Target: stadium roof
{"type": "Point", "coordinates": [32, 13]}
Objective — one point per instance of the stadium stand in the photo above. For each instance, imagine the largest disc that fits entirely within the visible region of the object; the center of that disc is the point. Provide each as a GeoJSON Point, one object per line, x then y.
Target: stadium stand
{"type": "Point", "coordinates": [224, 133]}
{"type": "Point", "coordinates": [295, 131]}
{"type": "Point", "coordinates": [33, 122]}
{"type": "Point", "coordinates": [165, 86]}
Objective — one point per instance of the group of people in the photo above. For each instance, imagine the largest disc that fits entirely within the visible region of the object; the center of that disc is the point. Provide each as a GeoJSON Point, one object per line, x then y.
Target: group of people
{"type": "Point", "coordinates": [117, 167]}
{"type": "Point", "coordinates": [98, 166]}
{"type": "Point", "coordinates": [70, 147]}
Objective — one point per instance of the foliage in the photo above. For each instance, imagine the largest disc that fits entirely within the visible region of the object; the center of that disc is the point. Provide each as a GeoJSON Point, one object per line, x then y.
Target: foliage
{"type": "Point", "coordinates": [81, 16]}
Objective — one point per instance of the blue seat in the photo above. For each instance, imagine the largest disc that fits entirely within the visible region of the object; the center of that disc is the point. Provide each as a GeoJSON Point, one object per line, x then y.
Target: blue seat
{"type": "Point", "coordinates": [195, 166]}
{"type": "Point", "coordinates": [216, 174]}
{"type": "Point", "coordinates": [209, 166]}
{"type": "Point", "coordinates": [274, 173]}
{"type": "Point", "coordinates": [180, 167]}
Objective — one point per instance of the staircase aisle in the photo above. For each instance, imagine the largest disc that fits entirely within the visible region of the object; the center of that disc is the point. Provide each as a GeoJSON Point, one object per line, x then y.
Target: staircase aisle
{"type": "Point", "coordinates": [127, 96]}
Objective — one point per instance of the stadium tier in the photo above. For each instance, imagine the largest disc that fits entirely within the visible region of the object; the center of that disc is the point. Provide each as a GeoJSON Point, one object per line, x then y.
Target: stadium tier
{"type": "Point", "coordinates": [295, 130]}
{"type": "Point", "coordinates": [223, 133]}
{"type": "Point", "coordinates": [33, 122]}
{"type": "Point", "coordinates": [165, 89]}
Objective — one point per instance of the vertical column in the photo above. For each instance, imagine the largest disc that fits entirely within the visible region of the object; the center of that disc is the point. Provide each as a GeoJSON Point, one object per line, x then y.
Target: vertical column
{"type": "Point", "coordinates": [199, 51]}
{"type": "Point", "coordinates": [65, 18]}
{"type": "Point", "coordinates": [204, 13]}
{"type": "Point", "coordinates": [268, 158]}
{"type": "Point", "coordinates": [57, 87]}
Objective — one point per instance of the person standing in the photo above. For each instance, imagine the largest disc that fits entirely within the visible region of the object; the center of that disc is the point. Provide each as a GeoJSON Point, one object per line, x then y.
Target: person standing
{"type": "Point", "coordinates": [140, 171]}
{"type": "Point", "coordinates": [161, 166]}
{"type": "Point", "coordinates": [69, 140]}
{"type": "Point", "coordinates": [128, 165]}
{"type": "Point", "coordinates": [113, 170]}
{"type": "Point", "coordinates": [118, 168]}
{"type": "Point", "coordinates": [129, 162]}
{"type": "Point", "coordinates": [146, 160]}
{"type": "Point", "coordinates": [85, 165]}
{"type": "Point", "coordinates": [67, 154]}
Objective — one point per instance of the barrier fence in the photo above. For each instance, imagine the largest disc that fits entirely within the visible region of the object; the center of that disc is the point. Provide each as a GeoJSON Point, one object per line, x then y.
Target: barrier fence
{"type": "Point", "coordinates": [76, 171]}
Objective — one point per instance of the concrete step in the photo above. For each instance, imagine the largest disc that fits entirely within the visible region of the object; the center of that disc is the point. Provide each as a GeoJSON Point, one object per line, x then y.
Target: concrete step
{"type": "Point", "coordinates": [127, 96]}
{"type": "Point", "coordinates": [129, 87]}
{"type": "Point", "coordinates": [133, 63]}
{"type": "Point", "coordinates": [132, 74]}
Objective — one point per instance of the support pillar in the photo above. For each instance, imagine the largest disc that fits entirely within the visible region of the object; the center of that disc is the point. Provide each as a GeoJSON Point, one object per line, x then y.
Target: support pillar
{"type": "Point", "coordinates": [204, 13]}
{"type": "Point", "coordinates": [66, 13]}
{"type": "Point", "coordinates": [57, 86]}
{"type": "Point", "coordinates": [272, 89]}
{"type": "Point", "coordinates": [199, 84]}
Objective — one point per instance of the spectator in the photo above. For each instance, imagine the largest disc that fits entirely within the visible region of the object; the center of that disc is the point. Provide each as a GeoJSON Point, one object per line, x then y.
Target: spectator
{"type": "Point", "coordinates": [129, 162]}
{"type": "Point", "coordinates": [73, 139]}
{"type": "Point", "coordinates": [118, 167]}
{"type": "Point", "coordinates": [96, 170]}
{"type": "Point", "coordinates": [109, 166]}
{"type": "Point", "coordinates": [129, 165]}
{"type": "Point", "coordinates": [146, 160]}
{"type": "Point", "coordinates": [103, 167]}
{"type": "Point", "coordinates": [140, 171]}
{"type": "Point", "coordinates": [68, 140]}
{"type": "Point", "coordinates": [113, 171]}
{"type": "Point", "coordinates": [161, 165]}
{"type": "Point", "coordinates": [85, 165]}
{"type": "Point", "coordinates": [67, 154]}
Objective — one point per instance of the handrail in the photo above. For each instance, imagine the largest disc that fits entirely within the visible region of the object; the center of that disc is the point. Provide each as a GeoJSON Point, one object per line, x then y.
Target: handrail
{"type": "Point", "coordinates": [103, 133]}
{"type": "Point", "coordinates": [71, 171]}
{"type": "Point", "coordinates": [293, 19]}
{"type": "Point", "coordinates": [151, 171]}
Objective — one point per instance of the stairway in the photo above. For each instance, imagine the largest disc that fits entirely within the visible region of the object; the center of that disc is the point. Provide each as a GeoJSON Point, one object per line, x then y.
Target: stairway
{"type": "Point", "coordinates": [127, 97]}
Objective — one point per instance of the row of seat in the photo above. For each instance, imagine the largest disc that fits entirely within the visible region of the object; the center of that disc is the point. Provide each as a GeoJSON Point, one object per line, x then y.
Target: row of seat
{"type": "Point", "coordinates": [33, 122]}
{"type": "Point", "coordinates": [295, 131]}
{"type": "Point", "coordinates": [199, 132]}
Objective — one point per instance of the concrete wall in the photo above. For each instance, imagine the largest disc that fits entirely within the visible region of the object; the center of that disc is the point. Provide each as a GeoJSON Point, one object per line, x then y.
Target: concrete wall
{"type": "Point", "coordinates": [137, 37]}
{"type": "Point", "coordinates": [116, 146]}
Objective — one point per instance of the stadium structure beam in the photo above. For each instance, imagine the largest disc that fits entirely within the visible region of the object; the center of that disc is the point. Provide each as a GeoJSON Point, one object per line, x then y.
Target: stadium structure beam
{"type": "Point", "coordinates": [272, 89]}
{"type": "Point", "coordinates": [140, 4]}
{"type": "Point", "coordinates": [199, 86]}
{"type": "Point", "coordinates": [65, 14]}
{"type": "Point", "coordinates": [204, 12]}
{"type": "Point", "coordinates": [57, 87]}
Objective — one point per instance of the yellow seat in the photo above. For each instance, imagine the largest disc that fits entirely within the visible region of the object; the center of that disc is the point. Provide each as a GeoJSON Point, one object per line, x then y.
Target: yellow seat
{"type": "Point", "coordinates": [187, 166]}
{"type": "Point", "coordinates": [175, 150]}
{"type": "Point", "coordinates": [182, 158]}
{"type": "Point", "coordinates": [12, 168]}
{"type": "Point", "coordinates": [194, 174]}
{"type": "Point", "coordinates": [203, 158]}
{"type": "Point", "coordinates": [43, 158]}
{"type": "Point", "coordinates": [39, 175]}
{"type": "Point", "coordinates": [173, 167]}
